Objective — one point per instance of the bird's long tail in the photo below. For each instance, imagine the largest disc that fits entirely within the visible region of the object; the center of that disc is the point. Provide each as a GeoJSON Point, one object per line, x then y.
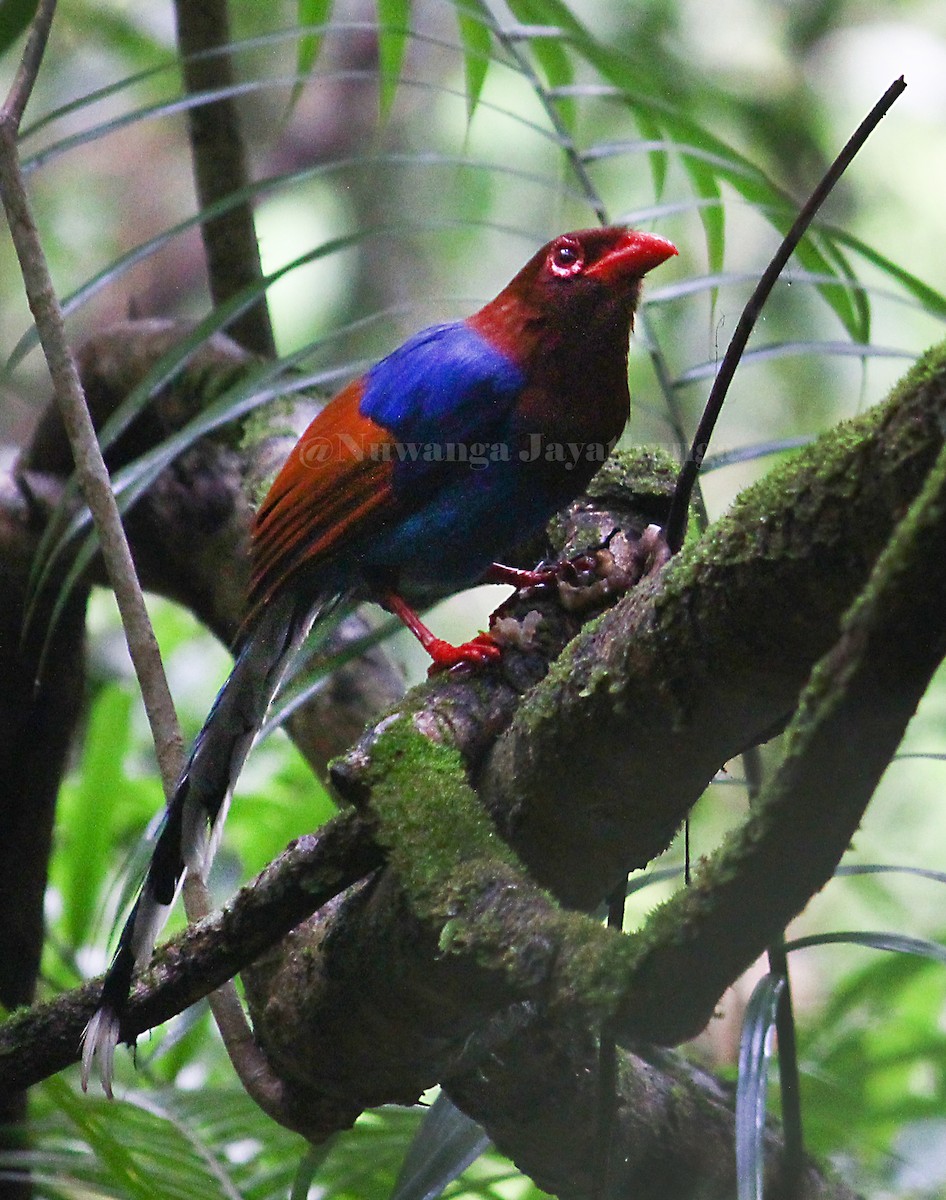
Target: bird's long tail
{"type": "Point", "coordinates": [194, 818]}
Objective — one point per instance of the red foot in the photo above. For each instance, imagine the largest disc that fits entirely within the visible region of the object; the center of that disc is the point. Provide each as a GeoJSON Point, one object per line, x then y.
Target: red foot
{"type": "Point", "coordinates": [482, 649]}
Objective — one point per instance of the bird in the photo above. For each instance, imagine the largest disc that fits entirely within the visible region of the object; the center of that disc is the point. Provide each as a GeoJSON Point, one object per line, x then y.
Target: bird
{"type": "Point", "coordinates": [412, 482]}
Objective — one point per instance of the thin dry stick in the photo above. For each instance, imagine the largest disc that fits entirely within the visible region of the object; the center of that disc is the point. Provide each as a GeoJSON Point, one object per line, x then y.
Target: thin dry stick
{"type": "Point", "coordinates": [96, 486]}
{"type": "Point", "coordinates": [677, 520]}
{"type": "Point", "coordinates": [90, 466]}
{"type": "Point", "coordinates": [676, 530]}
{"type": "Point", "coordinates": [246, 1057]}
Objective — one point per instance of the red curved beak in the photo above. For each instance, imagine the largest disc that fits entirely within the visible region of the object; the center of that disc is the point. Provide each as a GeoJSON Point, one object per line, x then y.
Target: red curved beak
{"type": "Point", "coordinates": [635, 255]}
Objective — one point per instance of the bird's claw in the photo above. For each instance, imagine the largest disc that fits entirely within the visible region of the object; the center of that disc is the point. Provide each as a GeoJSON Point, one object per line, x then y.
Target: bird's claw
{"type": "Point", "coordinates": [579, 569]}
{"type": "Point", "coordinates": [652, 550]}
{"type": "Point", "coordinates": [611, 568]}
{"type": "Point", "coordinates": [482, 649]}
{"type": "Point", "coordinates": [522, 578]}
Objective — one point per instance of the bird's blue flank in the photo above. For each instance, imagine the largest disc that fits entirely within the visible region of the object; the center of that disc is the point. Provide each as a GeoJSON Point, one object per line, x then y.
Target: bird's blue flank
{"type": "Point", "coordinates": [471, 520]}
{"type": "Point", "coordinates": [445, 378]}
{"type": "Point", "coordinates": [449, 399]}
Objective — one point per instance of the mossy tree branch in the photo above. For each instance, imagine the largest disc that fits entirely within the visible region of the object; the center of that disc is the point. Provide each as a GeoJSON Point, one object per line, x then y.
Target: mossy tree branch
{"type": "Point", "coordinates": [835, 496]}
{"type": "Point", "coordinates": [536, 1091]}
{"type": "Point", "coordinates": [681, 670]}
{"type": "Point", "coordinates": [36, 1042]}
{"type": "Point", "coordinates": [711, 657]}
{"type": "Point", "coordinates": [850, 720]}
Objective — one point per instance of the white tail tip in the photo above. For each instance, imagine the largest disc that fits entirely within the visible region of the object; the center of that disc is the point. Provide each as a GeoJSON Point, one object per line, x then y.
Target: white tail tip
{"type": "Point", "coordinates": [99, 1039]}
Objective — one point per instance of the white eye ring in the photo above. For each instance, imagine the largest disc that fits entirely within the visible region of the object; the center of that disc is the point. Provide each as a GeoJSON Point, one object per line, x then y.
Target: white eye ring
{"type": "Point", "coordinates": [566, 259]}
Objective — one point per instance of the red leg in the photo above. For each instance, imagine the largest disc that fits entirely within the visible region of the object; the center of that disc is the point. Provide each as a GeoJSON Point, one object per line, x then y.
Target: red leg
{"type": "Point", "coordinates": [480, 650]}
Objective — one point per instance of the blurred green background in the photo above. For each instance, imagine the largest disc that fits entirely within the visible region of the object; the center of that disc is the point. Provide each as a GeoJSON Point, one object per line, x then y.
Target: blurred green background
{"type": "Point", "coordinates": [440, 156]}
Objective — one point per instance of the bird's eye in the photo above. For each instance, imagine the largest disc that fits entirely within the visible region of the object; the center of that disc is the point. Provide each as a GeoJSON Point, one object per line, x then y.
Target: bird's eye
{"type": "Point", "coordinates": [566, 259]}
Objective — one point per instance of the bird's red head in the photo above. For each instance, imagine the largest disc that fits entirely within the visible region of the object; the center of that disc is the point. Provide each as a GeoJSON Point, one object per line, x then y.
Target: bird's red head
{"type": "Point", "coordinates": [611, 256]}
{"type": "Point", "coordinates": [588, 282]}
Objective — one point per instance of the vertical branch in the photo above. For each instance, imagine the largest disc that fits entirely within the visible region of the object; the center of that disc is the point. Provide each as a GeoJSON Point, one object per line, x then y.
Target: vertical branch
{"type": "Point", "coordinates": [219, 161]}
{"type": "Point", "coordinates": [28, 829]}
{"type": "Point", "coordinates": [90, 466]}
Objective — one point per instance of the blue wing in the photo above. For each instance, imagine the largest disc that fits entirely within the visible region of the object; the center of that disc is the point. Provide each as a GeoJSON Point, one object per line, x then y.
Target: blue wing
{"type": "Point", "coordinates": [449, 400]}
{"type": "Point", "coordinates": [445, 384]}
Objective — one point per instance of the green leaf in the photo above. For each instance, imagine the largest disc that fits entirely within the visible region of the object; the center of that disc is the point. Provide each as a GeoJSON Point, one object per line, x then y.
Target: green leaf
{"type": "Point", "coordinates": [103, 1136]}
{"type": "Point", "coordinates": [878, 1033]}
{"type": "Point", "coordinates": [894, 943]}
{"type": "Point", "coordinates": [757, 1028]}
{"type": "Point", "coordinates": [15, 17]}
{"type": "Point", "coordinates": [447, 1142]}
{"type": "Point", "coordinates": [101, 778]}
{"type": "Point", "coordinates": [708, 162]}
{"type": "Point", "coordinates": [311, 13]}
{"type": "Point", "coordinates": [721, 163]}
{"type": "Point", "coordinates": [707, 370]}
{"type": "Point", "coordinates": [658, 156]}
{"type": "Point", "coordinates": [816, 253]}
{"type": "Point", "coordinates": [932, 301]}
{"type": "Point", "coordinates": [711, 211]}
{"type": "Point", "coordinates": [550, 52]}
{"type": "Point", "coordinates": [475, 25]}
{"type": "Point", "coordinates": [312, 16]}
{"type": "Point", "coordinates": [394, 26]}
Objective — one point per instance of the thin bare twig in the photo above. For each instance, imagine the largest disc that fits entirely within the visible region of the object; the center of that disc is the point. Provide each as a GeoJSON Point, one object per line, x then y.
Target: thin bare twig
{"type": "Point", "coordinates": [22, 86]}
{"type": "Point", "coordinates": [677, 521]}
{"type": "Point", "coordinates": [248, 1060]}
{"type": "Point", "coordinates": [90, 466]}
{"type": "Point", "coordinates": [96, 487]}
{"type": "Point", "coordinates": [44, 1039]}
